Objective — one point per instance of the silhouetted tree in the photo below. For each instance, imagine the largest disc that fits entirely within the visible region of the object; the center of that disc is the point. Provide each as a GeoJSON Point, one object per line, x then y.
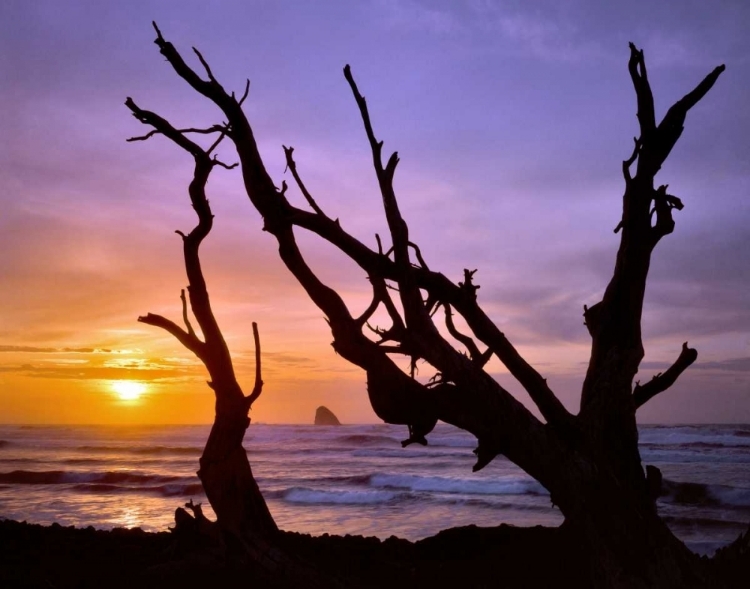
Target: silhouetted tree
{"type": "Point", "coordinates": [224, 468]}
{"type": "Point", "coordinates": [589, 462]}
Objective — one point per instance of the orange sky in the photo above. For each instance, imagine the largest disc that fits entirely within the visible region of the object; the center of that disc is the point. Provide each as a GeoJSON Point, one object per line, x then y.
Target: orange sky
{"type": "Point", "coordinates": [511, 126]}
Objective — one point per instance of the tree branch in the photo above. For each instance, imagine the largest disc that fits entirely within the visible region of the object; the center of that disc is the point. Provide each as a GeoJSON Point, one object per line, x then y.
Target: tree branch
{"type": "Point", "coordinates": [216, 356]}
{"type": "Point", "coordinates": [373, 306]}
{"type": "Point", "coordinates": [290, 163]}
{"type": "Point", "coordinates": [422, 331]}
{"type": "Point", "coordinates": [615, 323]}
{"type": "Point", "coordinates": [395, 397]}
{"type": "Point", "coordinates": [418, 254]}
{"type": "Point", "coordinates": [258, 387]}
{"type": "Point", "coordinates": [629, 162]}
{"type": "Point", "coordinates": [637, 69]}
{"type": "Point", "coordinates": [663, 205]}
{"type": "Point", "coordinates": [662, 381]}
{"type": "Point", "coordinates": [217, 162]}
{"type": "Point", "coordinates": [185, 313]}
{"type": "Point", "coordinates": [189, 340]}
{"type": "Point", "coordinates": [164, 127]}
{"type": "Point", "coordinates": [380, 287]}
{"type": "Point", "coordinates": [245, 93]}
{"type": "Point", "coordinates": [216, 143]}
{"type": "Point", "coordinates": [474, 352]}
{"type": "Point", "coordinates": [375, 145]}
{"type": "Point", "coordinates": [410, 297]}
{"type": "Point", "coordinates": [669, 130]}
{"type": "Point", "coordinates": [206, 67]}
{"type": "Point", "coordinates": [462, 299]}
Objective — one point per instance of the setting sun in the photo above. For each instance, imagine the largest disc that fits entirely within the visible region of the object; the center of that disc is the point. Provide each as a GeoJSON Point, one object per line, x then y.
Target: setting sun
{"type": "Point", "coordinates": [128, 390]}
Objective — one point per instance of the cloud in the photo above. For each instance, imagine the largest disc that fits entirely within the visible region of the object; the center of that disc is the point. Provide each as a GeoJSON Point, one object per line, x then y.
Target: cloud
{"type": "Point", "coordinates": [551, 40]}
{"type": "Point", "coordinates": [149, 371]}
{"type": "Point", "coordinates": [731, 365]}
{"type": "Point", "coordinates": [412, 15]}
{"type": "Point", "coordinates": [42, 350]}
{"type": "Point", "coordinates": [287, 359]}
{"type": "Point", "coordinates": [28, 349]}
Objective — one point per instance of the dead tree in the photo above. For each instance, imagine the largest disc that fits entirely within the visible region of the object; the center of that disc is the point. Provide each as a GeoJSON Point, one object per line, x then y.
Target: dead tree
{"type": "Point", "coordinates": [590, 462]}
{"type": "Point", "coordinates": [224, 471]}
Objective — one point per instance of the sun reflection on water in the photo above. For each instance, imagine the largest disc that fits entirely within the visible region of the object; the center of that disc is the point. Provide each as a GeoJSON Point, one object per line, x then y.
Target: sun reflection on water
{"type": "Point", "coordinates": [130, 517]}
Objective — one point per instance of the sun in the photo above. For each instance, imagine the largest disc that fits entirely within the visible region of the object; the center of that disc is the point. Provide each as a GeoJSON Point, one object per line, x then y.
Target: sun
{"type": "Point", "coordinates": [128, 390]}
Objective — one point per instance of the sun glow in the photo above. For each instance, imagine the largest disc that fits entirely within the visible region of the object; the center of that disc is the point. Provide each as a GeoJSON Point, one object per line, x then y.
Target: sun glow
{"type": "Point", "coordinates": [128, 390]}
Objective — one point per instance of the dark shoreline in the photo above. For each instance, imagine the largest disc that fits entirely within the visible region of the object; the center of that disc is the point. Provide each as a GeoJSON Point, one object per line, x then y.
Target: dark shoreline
{"type": "Point", "coordinates": [54, 556]}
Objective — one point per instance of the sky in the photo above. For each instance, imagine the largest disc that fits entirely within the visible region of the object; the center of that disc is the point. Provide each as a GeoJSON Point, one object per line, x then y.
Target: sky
{"type": "Point", "coordinates": [511, 120]}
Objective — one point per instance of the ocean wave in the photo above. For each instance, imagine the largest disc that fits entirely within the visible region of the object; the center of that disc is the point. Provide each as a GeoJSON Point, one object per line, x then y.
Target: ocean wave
{"type": "Point", "coordinates": [168, 490]}
{"type": "Point", "coordinates": [704, 522]}
{"type": "Point", "coordinates": [58, 477]}
{"type": "Point", "coordinates": [366, 439]}
{"type": "Point", "coordinates": [452, 441]}
{"type": "Point", "coordinates": [717, 444]}
{"type": "Point", "coordinates": [689, 455]}
{"type": "Point", "coordinates": [20, 460]}
{"type": "Point", "coordinates": [708, 495]}
{"type": "Point", "coordinates": [495, 504]}
{"type": "Point", "coordinates": [498, 486]}
{"type": "Point", "coordinates": [338, 497]}
{"type": "Point", "coordinates": [357, 479]}
{"type": "Point", "coordinates": [409, 452]}
{"type": "Point", "coordinates": [143, 449]}
{"type": "Point", "coordinates": [694, 437]}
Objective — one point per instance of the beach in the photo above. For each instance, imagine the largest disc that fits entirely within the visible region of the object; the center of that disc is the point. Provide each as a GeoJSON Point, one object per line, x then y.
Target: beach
{"type": "Point", "coordinates": [55, 556]}
{"type": "Point", "coordinates": [99, 501]}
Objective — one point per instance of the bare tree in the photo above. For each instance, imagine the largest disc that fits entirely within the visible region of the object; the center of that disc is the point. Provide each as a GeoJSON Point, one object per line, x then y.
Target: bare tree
{"type": "Point", "coordinates": [590, 462]}
{"type": "Point", "coordinates": [224, 468]}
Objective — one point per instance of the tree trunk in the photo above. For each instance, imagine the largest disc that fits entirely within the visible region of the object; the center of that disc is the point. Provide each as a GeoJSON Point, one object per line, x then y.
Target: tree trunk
{"type": "Point", "coordinates": [627, 543]}
{"type": "Point", "coordinates": [228, 479]}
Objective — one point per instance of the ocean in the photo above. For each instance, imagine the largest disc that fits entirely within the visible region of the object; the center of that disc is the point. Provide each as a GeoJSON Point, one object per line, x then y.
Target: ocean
{"type": "Point", "coordinates": [351, 479]}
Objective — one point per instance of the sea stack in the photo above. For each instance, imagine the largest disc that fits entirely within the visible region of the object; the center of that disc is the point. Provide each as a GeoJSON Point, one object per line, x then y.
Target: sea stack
{"type": "Point", "coordinates": [324, 416]}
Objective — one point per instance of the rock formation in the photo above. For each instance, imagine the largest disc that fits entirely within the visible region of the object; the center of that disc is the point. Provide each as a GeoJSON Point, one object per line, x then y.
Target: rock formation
{"type": "Point", "coordinates": [324, 416]}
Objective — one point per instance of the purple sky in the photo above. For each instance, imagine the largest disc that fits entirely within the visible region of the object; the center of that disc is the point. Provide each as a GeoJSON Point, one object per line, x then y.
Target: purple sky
{"type": "Point", "coordinates": [511, 120]}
